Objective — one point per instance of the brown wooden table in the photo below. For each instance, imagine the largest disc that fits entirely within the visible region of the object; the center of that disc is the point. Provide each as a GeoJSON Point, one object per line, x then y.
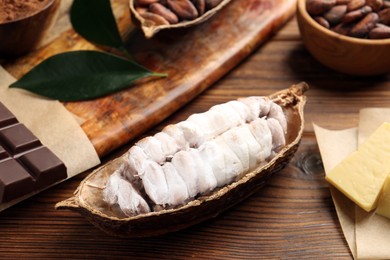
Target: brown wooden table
{"type": "Point", "coordinates": [292, 217]}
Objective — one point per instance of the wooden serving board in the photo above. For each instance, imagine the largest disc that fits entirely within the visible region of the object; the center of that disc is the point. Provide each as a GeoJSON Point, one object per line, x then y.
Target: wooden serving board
{"type": "Point", "coordinates": [193, 58]}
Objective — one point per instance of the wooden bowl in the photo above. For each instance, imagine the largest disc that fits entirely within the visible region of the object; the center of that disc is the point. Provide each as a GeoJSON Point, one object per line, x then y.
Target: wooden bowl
{"type": "Point", "coordinates": [354, 56]}
{"type": "Point", "coordinates": [23, 35]}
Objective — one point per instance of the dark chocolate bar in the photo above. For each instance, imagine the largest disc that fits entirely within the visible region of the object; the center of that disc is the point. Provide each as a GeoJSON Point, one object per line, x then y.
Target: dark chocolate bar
{"type": "Point", "coordinates": [26, 165]}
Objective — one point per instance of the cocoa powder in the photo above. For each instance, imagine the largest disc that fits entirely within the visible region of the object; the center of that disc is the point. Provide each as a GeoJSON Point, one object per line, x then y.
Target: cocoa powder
{"type": "Point", "coordinates": [16, 9]}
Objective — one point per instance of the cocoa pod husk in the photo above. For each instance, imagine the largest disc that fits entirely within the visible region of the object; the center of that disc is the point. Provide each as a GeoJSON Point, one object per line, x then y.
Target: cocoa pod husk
{"type": "Point", "coordinates": [88, 198]}
{"type": "Point", "coordinates": [151, 28]}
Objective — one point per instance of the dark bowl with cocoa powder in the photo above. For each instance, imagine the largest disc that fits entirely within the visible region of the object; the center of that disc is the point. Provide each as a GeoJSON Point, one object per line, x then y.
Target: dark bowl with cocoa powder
{"type": "Point", "coordinates": [346, 42]}
{"type": "Point", "coordinates": [23, 23]}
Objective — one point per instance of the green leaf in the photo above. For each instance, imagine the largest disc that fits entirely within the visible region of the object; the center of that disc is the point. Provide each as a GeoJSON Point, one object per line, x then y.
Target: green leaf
{"type": "Point", "coordinates": [94, 20]}
{"type": "Point", "coordinates": [81, 75]}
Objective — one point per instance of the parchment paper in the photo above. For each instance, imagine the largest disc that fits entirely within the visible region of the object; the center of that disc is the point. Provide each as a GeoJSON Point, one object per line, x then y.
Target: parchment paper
{"type": "Point", "coordinates": [367, 234]}
{"type": "Point", "coordinates": [52, 124]}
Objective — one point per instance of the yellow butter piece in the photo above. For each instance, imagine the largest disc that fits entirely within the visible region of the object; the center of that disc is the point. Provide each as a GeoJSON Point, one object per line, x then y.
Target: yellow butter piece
{"type": "Point", "coordinates": [362, 174]}
{"type": "Point", "coordinates": [383, 207]}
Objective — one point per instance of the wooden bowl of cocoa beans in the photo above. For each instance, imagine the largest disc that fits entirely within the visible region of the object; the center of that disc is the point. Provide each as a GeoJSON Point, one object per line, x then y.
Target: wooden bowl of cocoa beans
{"type": "Point", "coordinates": [348, 36]}
{"type": "Point", "coordinates": [23, 24]}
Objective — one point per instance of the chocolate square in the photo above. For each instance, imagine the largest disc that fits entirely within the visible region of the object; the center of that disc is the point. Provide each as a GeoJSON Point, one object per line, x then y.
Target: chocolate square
{"type": "Point", "coordinates": [18, 138]}
{"type": "Point", "coordinates": [45, 166]}
{"type": "Point", "coordinates": [26, 165]}
{"type": "Point", "coordinates": [6, 117]}
{"type": "Point", "coordinates": [15, 181]}
{"type": "Point", "coordinates": [3, 153]}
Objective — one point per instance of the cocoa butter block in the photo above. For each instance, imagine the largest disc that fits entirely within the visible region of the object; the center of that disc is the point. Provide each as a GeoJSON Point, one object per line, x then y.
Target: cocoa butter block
{"type": "Point", "coordinates": [26, 165]}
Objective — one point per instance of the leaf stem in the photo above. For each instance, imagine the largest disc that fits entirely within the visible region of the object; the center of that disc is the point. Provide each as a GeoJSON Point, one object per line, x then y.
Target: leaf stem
{"type": "Point", "coordinates": [158, 74]}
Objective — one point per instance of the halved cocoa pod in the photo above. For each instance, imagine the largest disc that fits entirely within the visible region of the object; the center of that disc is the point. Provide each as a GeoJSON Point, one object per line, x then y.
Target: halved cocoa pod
{"type": "Point", "coordinates": [88, 198]}
{"type": "Point", "coordinates": [189, 17]}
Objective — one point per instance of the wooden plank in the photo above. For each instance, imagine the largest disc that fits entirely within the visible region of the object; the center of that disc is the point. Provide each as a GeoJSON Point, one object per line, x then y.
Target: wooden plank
{"type": "Point", "coordinates": [193, 58]}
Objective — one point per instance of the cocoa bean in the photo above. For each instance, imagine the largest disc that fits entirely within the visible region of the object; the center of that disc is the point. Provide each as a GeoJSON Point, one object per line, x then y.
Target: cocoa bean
{"type": "Point", "coordinates": [317, 7]}
{"type": "Point", "coordinates": [342, 28]}
{"type": "Point", "coordinates": [355, 18]}
{"type": "Point", "coordinates": [200, 6]}
{"type": "Point", "coordinates": [210, 4]}
{"type": "Point", "coordinates": [364, 26]}
{"type": "Point", "coordinates": [145, 2]}
{"type": "Point", "coordinates": [376, 5]}
{"type": "Point", "coordinates": [155, 19]}
{"type": "Point", "coordinates": [384, 16]}
{"type": "Point", "coordinates": [322, 21]}
{"type": "Point", "coordinates": [355, 4]}
{"type": "Point", "coordinates": [380, 32]}
{"type": "Point", "coordinates": [161, 10]}
{"type": "Point", "coordinates": [356, 14]}
{"type": "Point", "coordinates": [335, 14]}
{"type": "Point", "coordinates": [184, 9]}
{"type": "Point", "coordinates": [342, 2]}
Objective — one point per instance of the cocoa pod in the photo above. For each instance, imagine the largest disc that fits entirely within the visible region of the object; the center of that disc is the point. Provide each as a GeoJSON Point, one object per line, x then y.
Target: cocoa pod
{"type": "Point", "coordinates": [88, 201]}
{"type": "Point", "coordinates": [384, 16]}
{"type": "Point", "coordinates": [363, 27]}
{"type": "Point", "coordinates": [380, 32]}
{"type": "Point", "coordinates": [183, 9]}
{"type": "Point", "coordinates": [317, 7]}
{"type": "Point", "coordinates": [161, 10]}
{"type": "Point", "coordinates": [355, 4]}
{"type": "Point", "coordinates": [335, 14]}
{"type": "Point", "coordinates": [189, 12]}
{"type": "Point", "coordinates": [356, 14]}
{"type": "Point", "coordinates": [141, 9]}
{"type": "Point", "coordinates": [376, 5]}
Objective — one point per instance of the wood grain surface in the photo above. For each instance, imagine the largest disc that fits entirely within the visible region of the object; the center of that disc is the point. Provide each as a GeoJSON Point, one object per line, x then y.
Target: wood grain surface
{"type": "Point", "coordinates": [193, 59]}
{"type": "Point", "coordinates": [292, 217]}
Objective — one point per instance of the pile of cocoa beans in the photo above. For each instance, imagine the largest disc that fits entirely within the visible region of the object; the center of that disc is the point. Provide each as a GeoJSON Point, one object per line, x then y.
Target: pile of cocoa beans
{"type": "Point", "coordinates": [165, 12]}
{"type": "Point", "coordinates": [356, 18]}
